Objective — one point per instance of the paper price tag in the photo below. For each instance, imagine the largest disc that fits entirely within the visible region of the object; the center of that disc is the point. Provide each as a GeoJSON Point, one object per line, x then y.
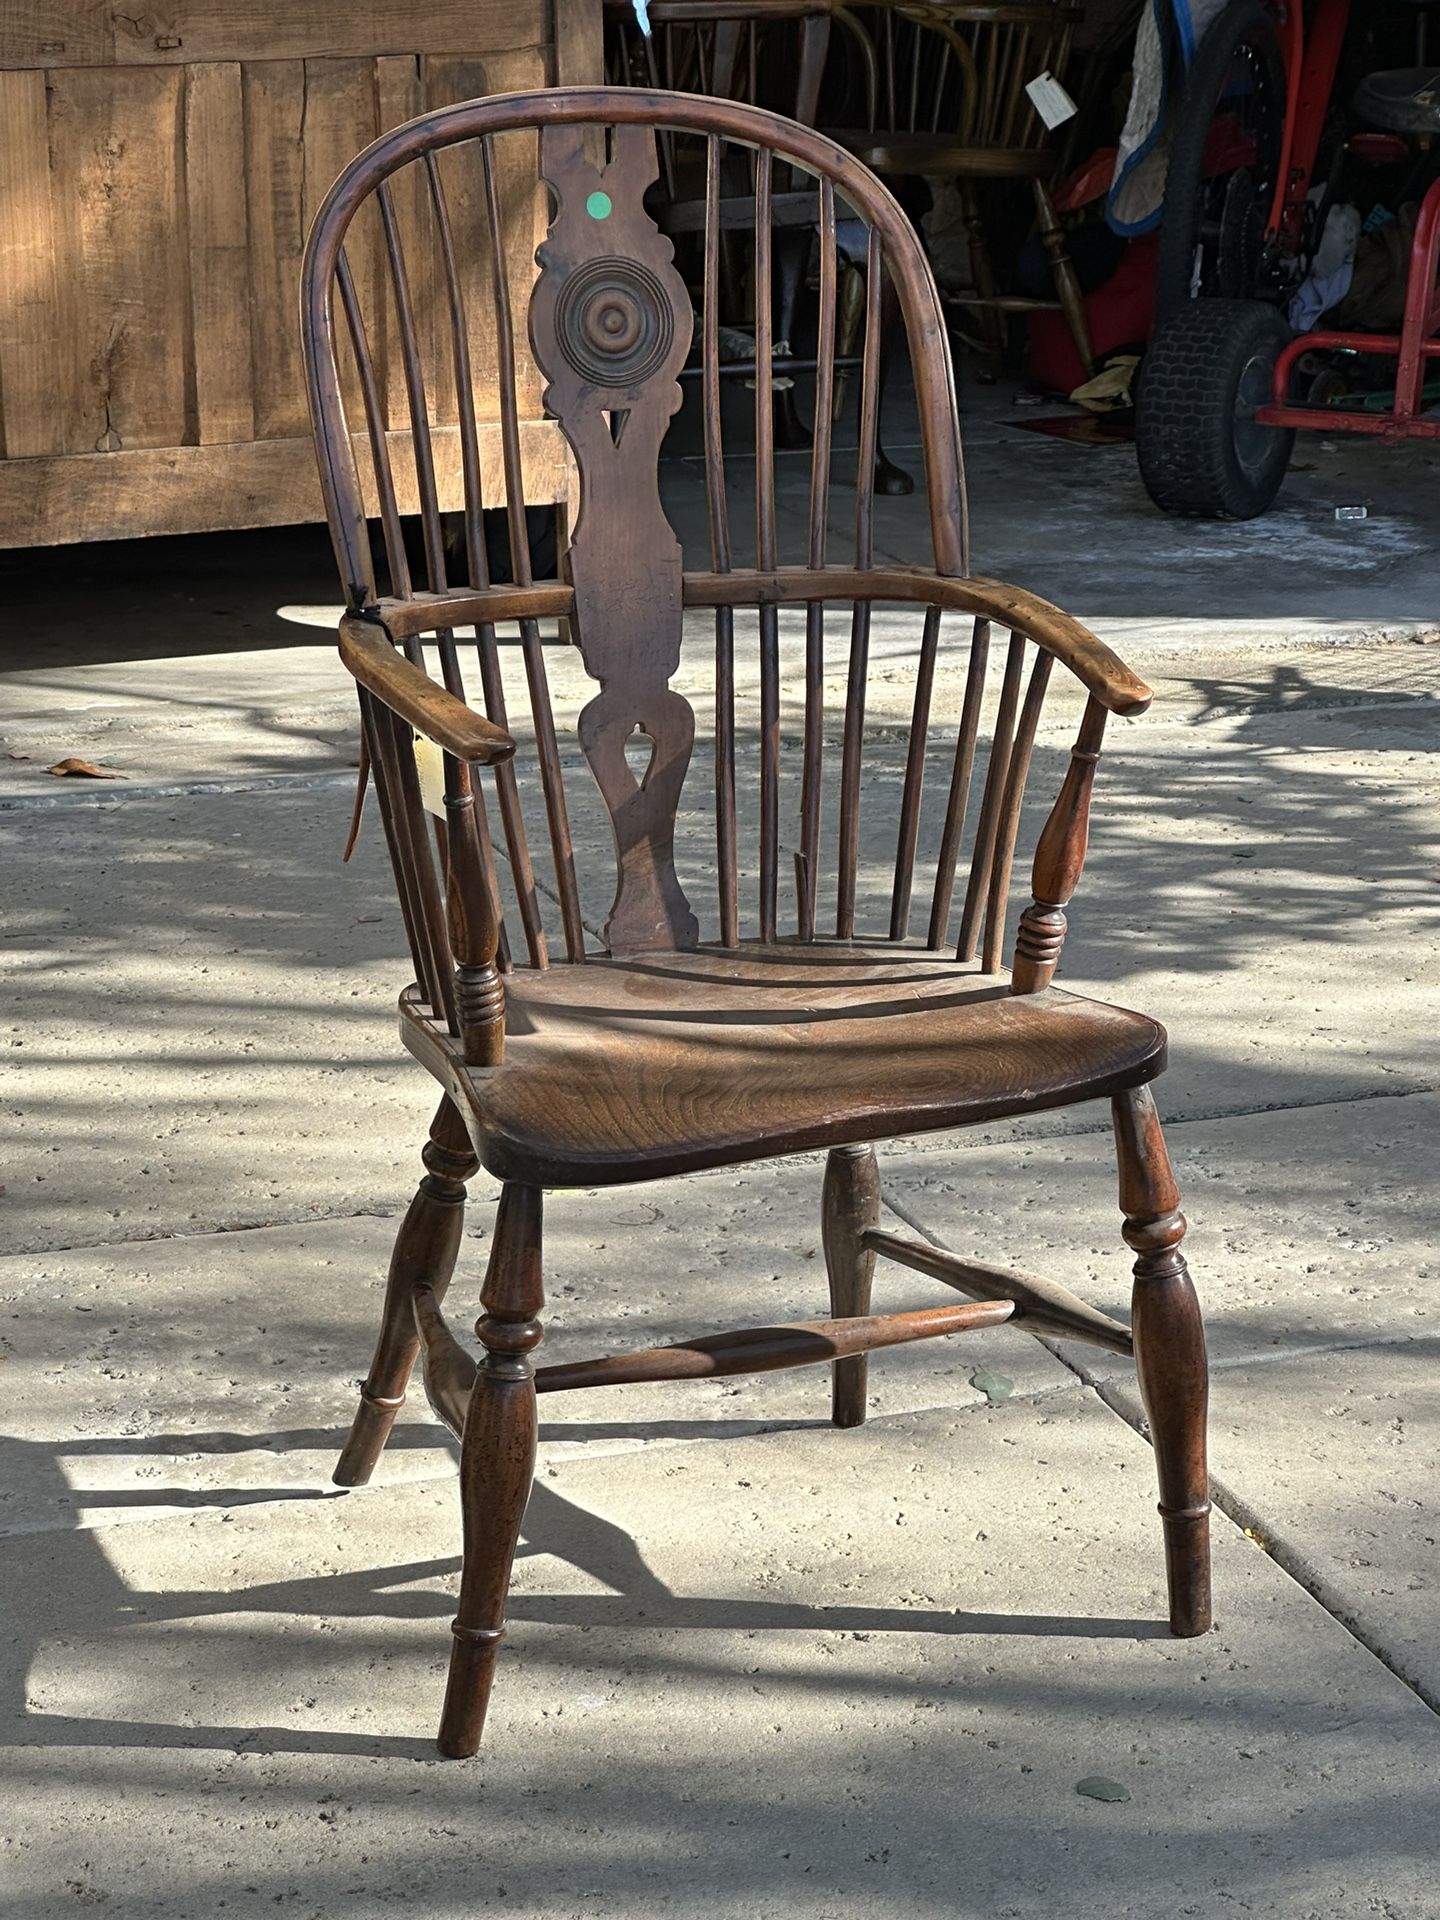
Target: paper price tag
{"type": "Point", "coordinates": [430, 765]}
{"type": "Point", "coordinates": [1050, 100]}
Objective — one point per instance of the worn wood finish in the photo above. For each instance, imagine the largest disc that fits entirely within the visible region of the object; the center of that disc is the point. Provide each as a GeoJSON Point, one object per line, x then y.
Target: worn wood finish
{"type": "Point", "coordinates": [715, 1057]}
{"type": "Point", "coordinates": [1170, 1357]}
{"type": "Point", "coordinates": [497, 1462]}
{"type": "Point", "coordinates": [663, 1053]}
{"type": "Point", "coordinates": [1059, 861]}
{"type": "Point", "coordinates": [158, 176]}
{"type": "Point", "coordinates": [850, 1206]}
{"type": "Point", "coordinates": [1041, 1306]}
{"type": "Point", "coordinates": [803, 1343]}
{"type": "Point", "coordinates": [426, 1250]}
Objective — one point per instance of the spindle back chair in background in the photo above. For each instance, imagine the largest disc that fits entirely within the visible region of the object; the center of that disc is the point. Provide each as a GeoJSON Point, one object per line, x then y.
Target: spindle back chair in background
{"type": "Point", "coordinates": [764, 53]}
{"type": "Point", "coordinates": [574, 1057]}
{"type": "Point", "coordinates": [944, 94]}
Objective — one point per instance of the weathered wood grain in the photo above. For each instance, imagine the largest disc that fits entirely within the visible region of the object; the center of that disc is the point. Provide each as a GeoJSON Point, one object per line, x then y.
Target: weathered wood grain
{"type": "Point", "coordinates": [122, 309]}
{"type": "Point", "coordinates": [218, 230]}
{"type": "Point", "coordinates": [30, 345]}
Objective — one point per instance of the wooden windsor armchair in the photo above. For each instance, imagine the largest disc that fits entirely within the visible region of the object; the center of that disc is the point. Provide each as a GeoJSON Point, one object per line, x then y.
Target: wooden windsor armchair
{"type": "Point", "coordinates": [659, 1046]}
{"type": "Point", "coordinates": [944, 98]}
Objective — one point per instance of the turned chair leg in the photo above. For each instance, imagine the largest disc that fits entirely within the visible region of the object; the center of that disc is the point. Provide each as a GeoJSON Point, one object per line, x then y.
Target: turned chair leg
{"type": "Point", "coordinates": [426, 1249]}
{"type": "Point", "coordinates": [497, 1463]}
{"type": "Point", "coordinates": [1169, 1354]}
{"type": "Point", "coordinates": [850, 1204]}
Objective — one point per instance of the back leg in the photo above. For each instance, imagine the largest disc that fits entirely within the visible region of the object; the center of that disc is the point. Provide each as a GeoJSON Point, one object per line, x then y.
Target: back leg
{"type": "Point", "coordinates": [1169, 1354]}
{"type": "Point", "coordinates": [426, 1249]}
{"type": "Point", "coordinates": [850, 1204]}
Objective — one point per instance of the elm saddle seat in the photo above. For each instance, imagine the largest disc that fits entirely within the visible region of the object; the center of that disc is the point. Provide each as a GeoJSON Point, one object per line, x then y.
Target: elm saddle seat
{"type": "Point", "coordinates": [660, 1053]}
{"type": "Point", "coordinates": [670, 1062]}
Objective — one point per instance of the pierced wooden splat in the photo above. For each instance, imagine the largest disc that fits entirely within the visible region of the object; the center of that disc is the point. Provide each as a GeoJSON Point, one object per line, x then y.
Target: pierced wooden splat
{"type": "Point", "coordinates": [610, 324]}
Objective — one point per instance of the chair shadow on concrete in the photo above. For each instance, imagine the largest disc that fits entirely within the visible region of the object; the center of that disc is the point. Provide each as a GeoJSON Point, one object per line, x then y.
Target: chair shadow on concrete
{"type": "Point", "coordinates": [64, 1588]}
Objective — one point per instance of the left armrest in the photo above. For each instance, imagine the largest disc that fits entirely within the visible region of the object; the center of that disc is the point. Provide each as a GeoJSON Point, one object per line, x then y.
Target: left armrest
{"type": "Point", "coordinates": [366, 649]}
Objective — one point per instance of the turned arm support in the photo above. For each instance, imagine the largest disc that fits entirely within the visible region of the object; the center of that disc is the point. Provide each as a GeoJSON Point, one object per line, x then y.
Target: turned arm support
{"type": "Point", "coordinates": [1059, 861]}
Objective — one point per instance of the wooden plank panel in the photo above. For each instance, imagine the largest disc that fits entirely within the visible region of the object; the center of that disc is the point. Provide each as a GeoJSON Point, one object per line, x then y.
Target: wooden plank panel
{"type": "Point", "coordinates": [122, 305]}
{"type": "Point", "coordinates": [219, 253]}
{"type": "Point", "coordinates": [256, 483]}
{"type": "Point", "coordinates": [56, 33]}
{"type": "Point", "coordinates": [274, 112]}
{"type": "Point", "coordinates": [29, 347]}
{"type": "Point", "coordinates": [578, 27]}
{"type": "Point", "coordinates": [399, 98]}
{"type": "Point", "coordinates": [340, 120]}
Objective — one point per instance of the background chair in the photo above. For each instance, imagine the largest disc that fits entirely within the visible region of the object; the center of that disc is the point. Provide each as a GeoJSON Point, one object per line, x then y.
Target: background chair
{"type": "Point", "coordinates": [947, 100]}
{"type": "Point", "coordinates": [774, 54]}
{"type": "Point", "coordinates": [690, 1029]}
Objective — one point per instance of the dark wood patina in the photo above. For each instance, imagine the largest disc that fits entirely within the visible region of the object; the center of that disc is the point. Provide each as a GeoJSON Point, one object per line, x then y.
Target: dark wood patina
{"type": "Point", "coordinates": [804, 1016]}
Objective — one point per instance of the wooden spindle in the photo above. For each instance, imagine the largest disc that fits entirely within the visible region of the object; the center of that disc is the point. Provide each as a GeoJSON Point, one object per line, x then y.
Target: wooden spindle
{"type": "Point", "coordinates": [1015, 777]}
{"type": "Point", "coordinates": [393, 534]}
{"type": "Point", "coordinates": [812, 765]}
{"type": "Point", "coordinates": [869, 408]}
{"type": "Point", "coordinates": [464, 381]}
{"type": "Point", "coordinates": [912, 792]}
{"type": "Point", "coordinates": [372, 718]}
{"type": "Point", "coordinates": [802, 1343]}
{"type": "Point", "coordinates": [542, 716]}
{"type": "Point", "coordinates": [987, 826]}
{"type": "Point", "coordinates": [1059, 861]}
{"type": "Point", "coordinates": [765, 550]}
{"type": "Point", "coordinates": [854, 732]}
{"type": "Point", "coordinates": [416, 404]}
{"type": "Point", "coordinates": [959, 798]}
{"type": "Point", "coordinates": [719, 514]}
{"type": "Point", "coordinates": [398, 783]}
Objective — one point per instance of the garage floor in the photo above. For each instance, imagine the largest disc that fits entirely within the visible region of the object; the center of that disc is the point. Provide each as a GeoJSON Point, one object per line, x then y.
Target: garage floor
{"type": "Point", "coordinates": [756, 1667]}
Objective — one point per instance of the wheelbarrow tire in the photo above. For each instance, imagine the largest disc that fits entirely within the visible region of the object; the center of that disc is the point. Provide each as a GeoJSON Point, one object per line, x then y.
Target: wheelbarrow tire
{"type": "Point", "coordinates": [1201, 451]}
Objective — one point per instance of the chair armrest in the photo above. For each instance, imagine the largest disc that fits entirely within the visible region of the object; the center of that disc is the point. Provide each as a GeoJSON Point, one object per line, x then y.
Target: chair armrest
{"type": "Point", "coordinates": [367, 650]}
{"type": "Point", "coordinates": [1099, 667]}
{"type": "Point", "coordinates": [1102, 671]}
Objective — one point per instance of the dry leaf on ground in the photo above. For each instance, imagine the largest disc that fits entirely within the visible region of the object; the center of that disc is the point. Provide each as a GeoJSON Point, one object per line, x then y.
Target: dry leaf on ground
{"type": "Point", "coordinates": [84, 769]}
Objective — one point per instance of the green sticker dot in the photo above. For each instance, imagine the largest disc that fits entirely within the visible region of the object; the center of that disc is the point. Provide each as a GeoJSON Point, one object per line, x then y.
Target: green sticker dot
{"type": "Point", "coordinates": [598, 206]}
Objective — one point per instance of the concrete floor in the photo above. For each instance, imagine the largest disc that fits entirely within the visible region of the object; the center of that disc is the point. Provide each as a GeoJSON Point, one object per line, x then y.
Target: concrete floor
{"type": "Point", "coordinates": [756, 1667]}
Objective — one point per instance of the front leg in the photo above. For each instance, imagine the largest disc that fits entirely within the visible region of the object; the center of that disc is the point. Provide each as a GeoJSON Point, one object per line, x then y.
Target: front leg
{"type": "Point", "coordinates": [497, 1463]}
{"type": "Point", "coordinates": [1170, 1355]}
{"type": "Point", "coordinates": [426, 1249]}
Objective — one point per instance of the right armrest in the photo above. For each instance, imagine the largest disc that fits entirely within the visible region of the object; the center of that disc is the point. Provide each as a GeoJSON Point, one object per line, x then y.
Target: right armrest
{"type": "Point", "coordinates": [367, 650]}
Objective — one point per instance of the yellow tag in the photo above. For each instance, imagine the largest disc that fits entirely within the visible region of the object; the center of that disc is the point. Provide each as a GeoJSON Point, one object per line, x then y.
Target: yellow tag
{"type": "Point", "coordinates": [430, 765]}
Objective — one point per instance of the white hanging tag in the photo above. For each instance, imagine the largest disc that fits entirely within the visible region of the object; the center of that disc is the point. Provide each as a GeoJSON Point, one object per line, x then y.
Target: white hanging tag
{"type": "Point", "coordinates": [430, 765]}
{"type": "Point", "coordinates": [1050, 100]}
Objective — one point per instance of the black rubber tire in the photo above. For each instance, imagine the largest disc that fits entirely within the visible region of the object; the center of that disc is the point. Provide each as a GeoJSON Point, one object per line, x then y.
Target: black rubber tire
{"type": "Point", "coordinates": [1197, 454]}
{"type": "Point", "coordinates": [1242, 22]}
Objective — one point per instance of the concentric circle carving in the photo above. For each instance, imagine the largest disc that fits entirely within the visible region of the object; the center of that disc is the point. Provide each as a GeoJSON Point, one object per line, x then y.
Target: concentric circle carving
{"type": "Point", "coordinates": [614, 322]}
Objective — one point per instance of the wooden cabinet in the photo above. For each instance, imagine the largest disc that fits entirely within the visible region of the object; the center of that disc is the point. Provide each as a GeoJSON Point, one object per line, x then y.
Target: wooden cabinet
{"type": "Point", "coordinates": [159, 167]}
